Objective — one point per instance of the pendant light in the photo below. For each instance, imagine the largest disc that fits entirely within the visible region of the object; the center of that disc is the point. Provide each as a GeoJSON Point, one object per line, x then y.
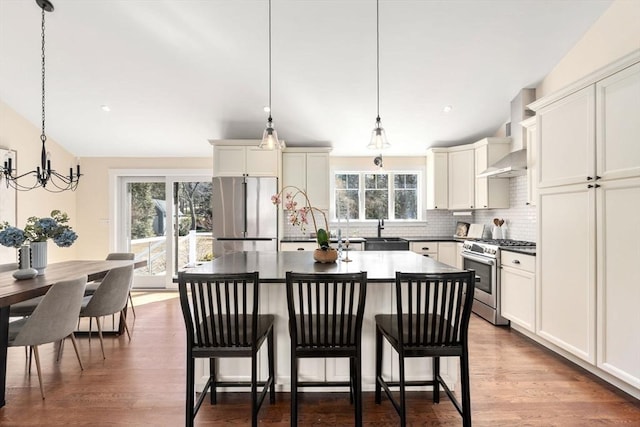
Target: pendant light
{"type": "Point", "coordinates": [270, 135]}
{"type": "Point", "coordinates": [378, 135]}
{"type": "Point", "coordinates": [44, 175]}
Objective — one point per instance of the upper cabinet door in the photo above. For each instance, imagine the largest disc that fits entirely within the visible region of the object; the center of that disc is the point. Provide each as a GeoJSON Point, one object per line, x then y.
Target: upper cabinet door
{"type": "Point", "coordinates": [566, 140]}
{"type": "Point", "coordinates": [618, 124]}
{"type": "Point", "coordinates": [228, 160]}
{"type": "Point", "coordinates": [261, 162]}
{"type": "Point", "coordinates": [462, 179]}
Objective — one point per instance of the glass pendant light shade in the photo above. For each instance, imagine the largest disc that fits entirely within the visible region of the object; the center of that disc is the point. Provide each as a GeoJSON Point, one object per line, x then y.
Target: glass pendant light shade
{"type": "Point", "coordinates": [378, 138]}
{"type": "Point", "coordinates": [270, 138]}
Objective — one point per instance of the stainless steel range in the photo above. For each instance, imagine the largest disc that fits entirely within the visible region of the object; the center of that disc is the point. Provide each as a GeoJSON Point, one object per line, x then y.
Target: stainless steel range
{"type": "Point", "coordinates": [483, 256]}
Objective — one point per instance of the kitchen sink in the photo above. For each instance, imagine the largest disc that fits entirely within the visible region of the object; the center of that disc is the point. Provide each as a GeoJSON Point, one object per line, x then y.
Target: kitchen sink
{"type": "Point", "coordinates": [385, 244]}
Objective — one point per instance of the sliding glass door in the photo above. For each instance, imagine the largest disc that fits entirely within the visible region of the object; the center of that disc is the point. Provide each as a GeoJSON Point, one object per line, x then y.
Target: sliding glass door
{"type": "Point", "coordinates": [165, 220]}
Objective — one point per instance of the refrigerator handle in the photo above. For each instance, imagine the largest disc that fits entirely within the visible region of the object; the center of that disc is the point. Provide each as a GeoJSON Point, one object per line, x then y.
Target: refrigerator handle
{"type": "Point", "coordinates": [244, 207]}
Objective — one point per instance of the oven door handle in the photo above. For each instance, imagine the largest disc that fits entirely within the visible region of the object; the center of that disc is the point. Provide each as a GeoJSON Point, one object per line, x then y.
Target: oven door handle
{"type": "Point", "coordinates": [481, 260]}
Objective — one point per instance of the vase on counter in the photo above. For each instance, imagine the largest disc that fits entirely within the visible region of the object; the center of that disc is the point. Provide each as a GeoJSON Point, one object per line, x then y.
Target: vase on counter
{"type": "Point", "coordinates": [24, 265]}
{"type": "Point", "coordinates": [328, 256]}
{"type": "Point", "coordinates": [39, 256]}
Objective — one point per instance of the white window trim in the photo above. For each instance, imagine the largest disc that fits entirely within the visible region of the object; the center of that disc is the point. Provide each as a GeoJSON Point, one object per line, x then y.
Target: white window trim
{"type": "Point", "coordinates": [361, 173]}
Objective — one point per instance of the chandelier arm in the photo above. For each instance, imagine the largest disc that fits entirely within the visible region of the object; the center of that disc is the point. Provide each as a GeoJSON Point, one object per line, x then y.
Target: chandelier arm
{"type": "Point", "coordinates": [378, 58]}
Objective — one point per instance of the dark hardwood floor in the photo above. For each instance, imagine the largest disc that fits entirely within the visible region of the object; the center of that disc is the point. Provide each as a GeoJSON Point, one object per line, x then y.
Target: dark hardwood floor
{"type": "Point", "coordinates": [514, 383]}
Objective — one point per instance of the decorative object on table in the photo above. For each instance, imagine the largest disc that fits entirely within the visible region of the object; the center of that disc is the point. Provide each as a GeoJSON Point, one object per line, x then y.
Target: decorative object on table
{"type": "Point", "coordinates": [44, 175]}
{"type": "Point", "coordinates": [37, 232]}
{"type": "Point", "coordinates": [24, 264]}
{"type": "Point", "coordinates": [300, 217]}
{"type": "Point", "coordinates": [346, 252]}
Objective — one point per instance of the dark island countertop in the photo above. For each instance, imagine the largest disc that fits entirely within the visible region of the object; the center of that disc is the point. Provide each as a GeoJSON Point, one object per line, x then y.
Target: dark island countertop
{"type": "Point", "coordinates": [381, 266]}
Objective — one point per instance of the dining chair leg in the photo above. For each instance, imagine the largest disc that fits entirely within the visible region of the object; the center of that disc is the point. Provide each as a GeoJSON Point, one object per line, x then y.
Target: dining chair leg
{"type": "Point", "coordinates": [124, 322]}
{"type": "Point", "coordinates": [133, 310]}
{"type": "Point", "coordinates": [351, 380]}
{"type": "Point", "coordinates": [90, 328]}
{"type": "Point", "coordinates": [190, 390]}
{"type": "Point", "coordinates": [378, 365]}
{"type": "Point", "coordinates": [254, 390]}
{"type": "Point", "coordinates": [466, 392]}
{"type": "Point", "coordinates": [436, 383]}
{"type": "Point", "coordinates": [213, 390]}
{"type": "Point", "coordinates": [75, 347]}
{"type": "Point", "coordinates": [30, 357]}
{"type": "Point", "coordinates": [60, 348]}
{"type": "Point", "coordinates": [294, 389]}
{"type": "Point", "coordinates": [403, 406]}
{"type": "Point", "coordinates": [272, 370]}
{"type": "Point", "coordinates": [100, 336]}
{"type": "Point", "coordinates": [37, 357]}
{"type": "Point", "coordinates": [358, 390]}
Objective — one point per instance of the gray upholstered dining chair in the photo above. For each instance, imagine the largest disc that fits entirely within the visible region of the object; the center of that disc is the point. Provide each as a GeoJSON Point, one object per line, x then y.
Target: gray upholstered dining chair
{"type": "Point", "coordinates": [54, 319]}
{"type": "Point", "coordinates": [109, 298]}
{"type": "Point", "coordinates": [113, 256]}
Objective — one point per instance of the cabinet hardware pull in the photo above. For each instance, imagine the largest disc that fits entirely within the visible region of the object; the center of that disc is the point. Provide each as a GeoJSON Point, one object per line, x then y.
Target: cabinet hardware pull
{"type": "Point", "coordinates": [589, 186]}
{"type": "Point", "coordinates": [597, 186]}
{"type": "Point", "coordinates": [425, 249]}
{"type": "Point", "coordinates": [598, 177]}
{"type": "Point", "coordinates": [301, 249]}
{"type": "Point", "coordinates": [589, 178]}
{"type": "Point", "coordinates": [527, 203]}
{"type": "Point", "coordinates": [515, 261]}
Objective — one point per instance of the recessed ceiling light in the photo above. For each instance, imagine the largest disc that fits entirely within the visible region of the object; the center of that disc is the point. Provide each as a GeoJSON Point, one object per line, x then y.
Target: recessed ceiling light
{"type": "Point", "coordinates": [105, 107]}
{"type": "Point", "coordinates": [267, 109]}
{"type": "Point", "coordinates": [447, 109]}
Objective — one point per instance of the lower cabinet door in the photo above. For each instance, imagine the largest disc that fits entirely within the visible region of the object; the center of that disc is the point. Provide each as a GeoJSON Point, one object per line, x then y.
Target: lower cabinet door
{"type": "Point", "coordinates": [518, 297]}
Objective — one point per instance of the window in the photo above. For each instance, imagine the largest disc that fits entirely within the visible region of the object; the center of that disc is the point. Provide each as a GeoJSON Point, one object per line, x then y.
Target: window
{"type": "Point", "coordinates": [370, 196]}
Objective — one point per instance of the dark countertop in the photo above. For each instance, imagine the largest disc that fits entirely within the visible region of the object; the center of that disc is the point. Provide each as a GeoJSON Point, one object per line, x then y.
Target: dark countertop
{"type": "Point", "coordinates": [381, 266]}
{"type": "Point", "coordinates": [525, 250]}
{"type": "Point", "coordinates": [332, 240]}
{"type": "Point", "coordinates": [435, 239]}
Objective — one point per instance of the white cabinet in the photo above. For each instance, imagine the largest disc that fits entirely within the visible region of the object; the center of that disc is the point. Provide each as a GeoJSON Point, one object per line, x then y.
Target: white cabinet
{"type": "Point", "coordinates": [491, 193]}
{"type": "Point", "coordinates": [566, 143]}
{"type": "Point", "coordinates": [531, 131]}
{"type": "Point", "coordinates": [308, 171]}
{"type": "Point", "coordinates": [566, 268]}
{"type": "Point", "coordinates": [238, 160]}
{"type": "Point", "coordinates": [437, 179]}
{"type": "Point", "coordinates": [298, 246]}
{"type": "Point", "coordinates": [462, 177]}
{"type": "Point", "coordinates": [429, 249]}
{"type": "Point", "coordinates": [447, 253]}
{"type": "Point", "coordinates": [618, 125]}
{"type": "Point", "coordinates": [518, 289]}
{"type": "Point", "coordinates": [618, 287]}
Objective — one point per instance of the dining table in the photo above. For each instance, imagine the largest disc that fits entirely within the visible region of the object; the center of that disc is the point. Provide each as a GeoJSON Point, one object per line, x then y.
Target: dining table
{"type": "Point", "coordinates": [13, 291]}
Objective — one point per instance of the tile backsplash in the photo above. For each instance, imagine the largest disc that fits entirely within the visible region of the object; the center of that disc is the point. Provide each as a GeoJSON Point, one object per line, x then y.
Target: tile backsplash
{"type": "Point", "coordinates": [520, 221]}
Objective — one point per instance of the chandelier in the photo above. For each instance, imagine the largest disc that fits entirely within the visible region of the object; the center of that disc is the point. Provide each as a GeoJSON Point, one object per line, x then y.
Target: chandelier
{"type": "Point", "coordinates": [378, 136]}
{"type": "Point", "coordinates": [43, 176]}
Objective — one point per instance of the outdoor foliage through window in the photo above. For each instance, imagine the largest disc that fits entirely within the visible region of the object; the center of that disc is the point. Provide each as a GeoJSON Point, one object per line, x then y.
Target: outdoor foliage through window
{"type": "Point", "coordinates": [366, 196]}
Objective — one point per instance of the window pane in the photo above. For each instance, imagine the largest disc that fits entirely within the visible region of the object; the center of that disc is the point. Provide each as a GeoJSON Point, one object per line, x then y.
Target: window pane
{"type": "Point", "coordinates": [347, 195]}
{"type": "Point", "coordinates": [405, 196]}
{"type": "Point", "coordinates": [376, 196]}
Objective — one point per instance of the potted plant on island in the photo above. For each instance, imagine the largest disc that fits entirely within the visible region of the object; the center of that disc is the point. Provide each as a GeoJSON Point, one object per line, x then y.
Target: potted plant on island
{"type": "Point", "coordinates": [300, 217]}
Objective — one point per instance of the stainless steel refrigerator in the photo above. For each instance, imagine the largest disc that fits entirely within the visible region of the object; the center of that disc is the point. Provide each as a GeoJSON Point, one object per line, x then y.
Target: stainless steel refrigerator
{"type": "Point", "coordinates": [244, 218]}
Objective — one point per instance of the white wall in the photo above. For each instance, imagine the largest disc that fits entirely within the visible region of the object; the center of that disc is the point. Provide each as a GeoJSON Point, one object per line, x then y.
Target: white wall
{"type": "Point", "coordinates": [615, 34]}
{"type": "Point", "coordinates": [16, 133]}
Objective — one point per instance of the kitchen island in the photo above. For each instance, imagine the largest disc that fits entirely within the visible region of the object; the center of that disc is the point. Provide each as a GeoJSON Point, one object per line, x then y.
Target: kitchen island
{"type": "Point", "coordinates": [380, 266]}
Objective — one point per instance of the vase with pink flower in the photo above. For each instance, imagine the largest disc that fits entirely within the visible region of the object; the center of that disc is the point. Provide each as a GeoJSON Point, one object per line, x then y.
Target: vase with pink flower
{"type": "Point", "coordinates": [299, 216]}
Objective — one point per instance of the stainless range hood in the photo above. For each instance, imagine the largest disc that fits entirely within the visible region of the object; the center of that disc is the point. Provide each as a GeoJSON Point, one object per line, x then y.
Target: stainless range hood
{"type": "Point", "coordinates": [513, 164]}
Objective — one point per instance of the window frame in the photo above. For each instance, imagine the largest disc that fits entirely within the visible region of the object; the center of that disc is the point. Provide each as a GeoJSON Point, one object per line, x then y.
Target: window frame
{"type": "Point", "coordinates": [391, 193]}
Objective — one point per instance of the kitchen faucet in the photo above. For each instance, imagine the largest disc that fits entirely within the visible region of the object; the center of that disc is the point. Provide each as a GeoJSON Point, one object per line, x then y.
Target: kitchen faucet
{"type": "Point", "coordinates": [380, 226]}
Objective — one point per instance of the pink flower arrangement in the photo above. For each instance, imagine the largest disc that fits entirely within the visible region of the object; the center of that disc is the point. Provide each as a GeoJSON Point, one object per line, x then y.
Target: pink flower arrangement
{"type": "Point", "coordinates": [300, 217]}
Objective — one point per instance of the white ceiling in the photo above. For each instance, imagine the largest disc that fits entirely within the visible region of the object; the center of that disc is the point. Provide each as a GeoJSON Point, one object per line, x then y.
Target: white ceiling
{"type": "Point", "coordinates": [177, 73]}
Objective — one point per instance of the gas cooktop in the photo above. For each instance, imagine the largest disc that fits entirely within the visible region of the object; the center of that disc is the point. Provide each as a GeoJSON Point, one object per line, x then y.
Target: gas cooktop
{"type": "Point", "coordinates": [506, 242]}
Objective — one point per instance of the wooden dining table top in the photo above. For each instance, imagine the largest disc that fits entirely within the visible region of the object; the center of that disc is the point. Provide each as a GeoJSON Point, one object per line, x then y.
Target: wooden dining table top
{"type": "Point", "coordinates": [13, 291]}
